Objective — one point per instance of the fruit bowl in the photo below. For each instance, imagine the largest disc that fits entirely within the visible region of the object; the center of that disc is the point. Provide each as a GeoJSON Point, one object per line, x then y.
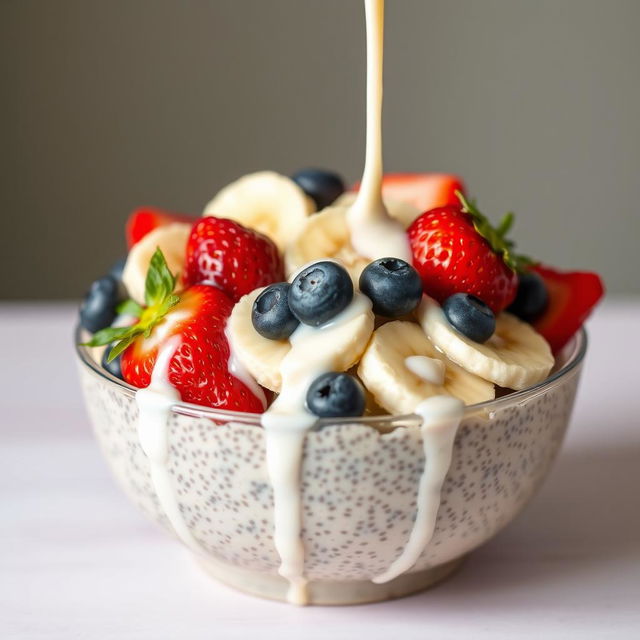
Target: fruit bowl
{"type": "Point", "coordinates": [359, 484]}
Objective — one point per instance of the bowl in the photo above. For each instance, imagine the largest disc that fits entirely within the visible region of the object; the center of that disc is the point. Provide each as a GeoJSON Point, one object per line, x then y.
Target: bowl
{"type": "Point", "coordinates": [359, 484]}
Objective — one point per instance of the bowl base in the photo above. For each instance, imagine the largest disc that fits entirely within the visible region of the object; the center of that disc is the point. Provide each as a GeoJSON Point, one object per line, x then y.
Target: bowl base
{"type": "Point", "coordinates": [321, 592]}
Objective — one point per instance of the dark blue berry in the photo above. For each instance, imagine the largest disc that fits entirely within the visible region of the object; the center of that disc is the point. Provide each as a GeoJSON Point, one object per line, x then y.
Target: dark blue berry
{"type": "Point", "coordinates": [531, 299]}
{"type": "Point", "coordinates": [320, 185]}
{"type": "Point", "coordinates": [393, 286]}
{"type": "Point", "coordinates": [470, 316]}
{"type": "Point", "coordinates": [98, 309]}
{"type": "Point", "coordinates": [336, 395]}
{"type": "Point", "coordinates": [114, 367]}
{"type": "Point", "coordinates": [320, 292]}
{"type": "Point", "coordinates": [117, 268]}
{"type": "Point", "coordinates": [271, 315]}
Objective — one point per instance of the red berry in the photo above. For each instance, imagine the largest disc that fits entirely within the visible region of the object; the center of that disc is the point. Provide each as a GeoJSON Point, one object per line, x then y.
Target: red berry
{"type": "Point", "coordinates": [423, 190]}
{"type": "Point", "coordinates": [232, 257]}
{"type": "Point", "coordinates": [199, 367]}
{"type": "Point", "coordinates": [452, 257]}
{"type": "Point", "coordinates": [144, 220]}
{"type": "Point", "coordinates": [572, 296]}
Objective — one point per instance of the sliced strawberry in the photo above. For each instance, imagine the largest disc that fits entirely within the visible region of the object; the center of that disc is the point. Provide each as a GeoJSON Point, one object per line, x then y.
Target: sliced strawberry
{"type": "Point", "coordinates": [456, 250]}
{"type": "Point", "coordinates": [234, 258]}
{"type": "Point", "coordinates": [198, 368]}
{"type": "Point", "coordinates": [144, 220]}
{"type": "Point", "coordinates": [424, 191]}
{"type": "Point", "coordinates": [572, 296]}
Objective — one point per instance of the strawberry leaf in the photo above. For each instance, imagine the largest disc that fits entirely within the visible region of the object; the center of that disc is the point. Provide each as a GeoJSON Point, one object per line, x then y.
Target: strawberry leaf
{"type": "Point", "coordinates": [496, 237]}
{"type": "Point", "coordinates": [129, 308]}
{"type": "Point", "coordinates": [107, 336]}
{"type": "Point", "coordinates": [159, 298]}
{"type": "Point", "coordinates": [160, 282]}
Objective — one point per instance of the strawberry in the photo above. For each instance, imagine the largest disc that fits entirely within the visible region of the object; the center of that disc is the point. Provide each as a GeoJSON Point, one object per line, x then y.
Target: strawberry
{"type": "Point", "coordinates": [234, 258]}
{"type": "Point", "coordinates": [456, 250]}
{"type": "Point", "coordinates": [198, 368]}
{"type": "Point", "coordinates": [572, 296]}
{"type": "Point", "coordinates": [424, 191]}
{"type": "Point", "coordinates": [144, 220]}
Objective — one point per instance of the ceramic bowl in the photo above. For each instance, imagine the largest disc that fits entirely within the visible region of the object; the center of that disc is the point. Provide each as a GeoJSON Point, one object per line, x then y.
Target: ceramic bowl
{"type": "Point", "coordinates": [359, 484]}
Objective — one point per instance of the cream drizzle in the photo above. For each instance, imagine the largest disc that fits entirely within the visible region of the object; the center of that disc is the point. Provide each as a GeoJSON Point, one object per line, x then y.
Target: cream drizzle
{"type": "Point", "coordinates": [154, 406]}
{"type": "Point", "coordinates": [286, 424]}
{"type": "Point", "coordinates": [429, 369]}
{"type": "Point", "coordinates": [374, 234]}
{"type": "Point", "coordinates": [238, 370]}
{"type": "Point", "coordinates": [441, 416]}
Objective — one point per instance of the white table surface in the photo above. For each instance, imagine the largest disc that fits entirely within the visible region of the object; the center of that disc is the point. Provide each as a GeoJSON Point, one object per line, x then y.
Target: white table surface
{"type": "Point", "coordinates": [78, 561]}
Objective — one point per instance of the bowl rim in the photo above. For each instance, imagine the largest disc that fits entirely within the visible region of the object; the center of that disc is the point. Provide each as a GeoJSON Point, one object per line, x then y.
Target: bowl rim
{"type": "Point", "coordinates": [576, 349]}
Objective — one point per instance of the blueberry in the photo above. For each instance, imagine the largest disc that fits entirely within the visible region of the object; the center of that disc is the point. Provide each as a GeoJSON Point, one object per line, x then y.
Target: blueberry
{"type": "Point", "coordinates": [114, 367]}
{"type": "Point", "coordinates": [470, 316]}
{"type": "Point", "coordinates": [98, 309]}
{"type": "Point", "coordinates": [271, 316]}
{"type": "Point", "coordinates": [117, 268]}
{"type": "Point", "coordinates": [320, 185]}
{"type": "Point", "coordinates": [532, 297]}
{"type": "Point", "coordinates": [393, 286]}
{"type": "Point", "coordinates": [320, 292]}
{"type": "Point", "coordinates": [336, 395]}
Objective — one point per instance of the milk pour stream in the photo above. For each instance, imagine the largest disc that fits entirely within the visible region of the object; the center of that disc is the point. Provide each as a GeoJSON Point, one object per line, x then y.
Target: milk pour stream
{"type": "Point", "coordinates": [286, 423]}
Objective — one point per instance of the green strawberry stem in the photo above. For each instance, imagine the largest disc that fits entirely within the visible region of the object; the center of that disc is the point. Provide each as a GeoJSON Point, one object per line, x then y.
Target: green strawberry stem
{"type": "Point", "coordinates": [159, 298]}
{"type": "Point", "coordinates": [496, 237]}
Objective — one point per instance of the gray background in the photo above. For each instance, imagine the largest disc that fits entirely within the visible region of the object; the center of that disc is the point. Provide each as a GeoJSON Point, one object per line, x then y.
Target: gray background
{"type": "Point", "coordinates": [110, 105]}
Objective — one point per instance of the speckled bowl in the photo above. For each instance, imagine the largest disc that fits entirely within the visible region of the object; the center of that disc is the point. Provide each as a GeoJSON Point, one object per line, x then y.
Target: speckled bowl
{"type": "Point", "coordinates": [359, 483]}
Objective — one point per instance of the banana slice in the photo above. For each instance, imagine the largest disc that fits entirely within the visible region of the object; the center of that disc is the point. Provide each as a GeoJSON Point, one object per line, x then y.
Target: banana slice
{"type": "Point", "coordinates": [172, 240]}
{"type": "Point", "coordinates": [404, 212]}
{"type": "Point", "coordinates": [266, 201]}
{"type": "Point", "coordinates": [326, 235]}
{"type": "Point", "coordinates": [516, 356]}
{"type": "Point", "coordinates": [263, 357]}
{"type": "Point", "coordinates": [260, 356]}
{"type": "Point", "coordinates": [401, 368]}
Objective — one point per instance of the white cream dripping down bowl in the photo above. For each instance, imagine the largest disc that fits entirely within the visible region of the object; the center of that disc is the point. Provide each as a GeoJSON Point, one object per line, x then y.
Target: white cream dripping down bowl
{"type": "Point", "coordinates": [359, 484]}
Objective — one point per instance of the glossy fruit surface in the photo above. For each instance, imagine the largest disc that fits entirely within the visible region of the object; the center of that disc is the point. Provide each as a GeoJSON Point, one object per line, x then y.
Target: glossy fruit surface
{"type": "Point", "coordinates": [320, 292]}
{"type": "Point", "coordinates": [336, 395]}
{"type": "Point", "coordinates": [452, 257]}
{"type": "Point", "coordinates": [230, 256]}
{"type": "Point", "coordinates": [393, 286]}
{"type": "Point", "coordinates": [271, 316]}
{"type": "Point", "coordinates": [98, 309]}
{"type": "Point", "coordinates": [572, 296]}
{"type": "Point", "coordinates": [470, 316]}
{"type": "Point", "coordinates": [322, 186]}
{"type": "Point", "coordinates": [146, 219]}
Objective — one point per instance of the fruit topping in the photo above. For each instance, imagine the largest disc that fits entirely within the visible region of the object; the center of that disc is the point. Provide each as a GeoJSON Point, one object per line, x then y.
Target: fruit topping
{"type": "Point", "coordinates": [98, 310]}
{"type": "Point", "coordinates": [143, 221]}
{"type": "Point", "coordinates": [424, 191]}
{"type": "Point", "coordinates": [267, 202]}
{"type": "Point", "coordinates": [320, 292]}
{"type": "Point", "coordinates": [271, 316]}
{"type": "Point", "coordinates": [401, 368]}
{"type": "Point", "coordinates": [572, 296]}
{"type": "Point", "coordinates": [531, 299]}
{"type": "Point", "coordinates": [322, 186]}
{"type": "Point", "coordinates": [393, 286]}
{"type": "Point", "coordinates": [171, 239]}
{"type": "Point", "coordinates": [470, 316]}
{"type": "Point", "coordinates": [198, 368]}
{"type": "Point", "coordinates": [515, 356]}
{"type": "Point", "coordinates": [456, 250]}
{"type": "Point", "coordinates": [117, 269]}
{"type": "Point", "coordinates": [230, 256]}
{"type": "Point", "coordinates": [336, 395]}
{"type": "Point", "coordinates": [114, 367]}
